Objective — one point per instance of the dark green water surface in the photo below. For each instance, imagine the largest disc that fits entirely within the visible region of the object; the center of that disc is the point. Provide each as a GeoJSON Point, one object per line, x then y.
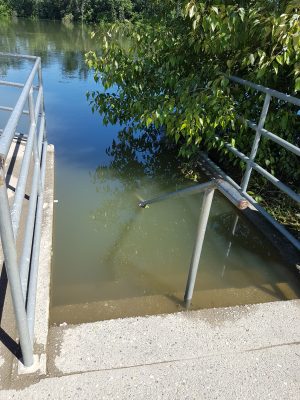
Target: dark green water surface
{"type": "Point", "coordinates": [111, 258]}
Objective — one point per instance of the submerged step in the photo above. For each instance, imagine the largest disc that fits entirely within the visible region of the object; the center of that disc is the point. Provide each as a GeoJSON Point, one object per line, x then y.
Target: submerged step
{"type": "Point", "coordinates": [168, 303]}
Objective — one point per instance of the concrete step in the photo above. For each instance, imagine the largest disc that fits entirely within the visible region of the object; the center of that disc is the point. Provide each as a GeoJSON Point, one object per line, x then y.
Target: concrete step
{"type": "Point", "coordinates": [139, 341]}
{"type": "Point", "coordinates": [246, 352]}
{"type": "Point", "coordinates": [168, 303]}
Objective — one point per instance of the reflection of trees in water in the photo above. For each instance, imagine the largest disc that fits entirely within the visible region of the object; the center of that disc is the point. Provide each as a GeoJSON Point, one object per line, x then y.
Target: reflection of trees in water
{"type": "Point", "coordinates": [139, 155]}
{"type": "Point", "coordinates": [51, 40]}
{"type": "Point", "coordinates": [139, 161]}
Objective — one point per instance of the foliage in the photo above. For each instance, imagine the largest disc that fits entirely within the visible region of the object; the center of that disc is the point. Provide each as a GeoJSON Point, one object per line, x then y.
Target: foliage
{"type": "Point", "coordinates": [83, 10]}
{"type": "Point", "coordinates": [174, 74]}
{"type": "Point", "coordinates": [5, 9]}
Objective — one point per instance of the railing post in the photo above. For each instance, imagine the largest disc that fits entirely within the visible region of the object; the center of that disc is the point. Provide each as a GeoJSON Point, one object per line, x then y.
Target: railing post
{"type": "Point", "coordinates": [33, 123]}
{"type": "Point", "coordinates": [264, 112]}
{"type": "Point", "coordinates": [202, 225]}
{"type": "Point", "coordinates": [10, 257]}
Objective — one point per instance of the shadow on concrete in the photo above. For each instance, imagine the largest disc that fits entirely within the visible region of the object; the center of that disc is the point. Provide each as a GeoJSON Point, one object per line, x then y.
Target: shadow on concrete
{"type": "Point", "coordinates": [5, 338]}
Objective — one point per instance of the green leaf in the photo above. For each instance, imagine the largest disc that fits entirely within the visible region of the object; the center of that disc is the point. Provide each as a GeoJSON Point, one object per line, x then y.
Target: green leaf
{"type": "Point", "coordinates": [192, 11]}
{"type": "Point", "coordinates": [251, 58]}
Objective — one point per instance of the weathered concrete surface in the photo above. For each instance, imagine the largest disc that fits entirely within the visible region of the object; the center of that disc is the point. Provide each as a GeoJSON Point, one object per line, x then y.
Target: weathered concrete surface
{"type": "Point", "coordinates": [137, 341]}
{"type": "Point", "coordinates": [263, 374]}
{"type": "Point", "coordinates": [246, 352]}
{"type": "Point", "coordinates": [8, 334]}
{"type": "Point", "coordinates": [41, 326]}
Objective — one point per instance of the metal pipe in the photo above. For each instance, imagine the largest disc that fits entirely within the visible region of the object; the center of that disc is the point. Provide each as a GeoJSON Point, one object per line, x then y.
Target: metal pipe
{"type": "Point", "coordinates": [32, 286]}
{"type": "Point", "coordinates": [233, 195]}
{"type": "Point", "coordinates": [15, 84]}
{"type": "Point", "coordinates": [233, 230]}
{"type": "Point", "coordinates": [275, 181]}
{"type": "Point", "coordinates": [21, 186]}
{"type": "Point", "coordinates": [287, 145]}
{"type": "Point", "coordinates": [30, 221]}
{"type": "Point", "coordinates": [206, 205]}
{"type": "Point", "coordinates": [272, 221]}
{"type": "Point", "coordinates": [10, 256]}
{"type": "Point", "coordinates": [10, 128]}
{"type": "Point", "coordinates": [264, 112]}
{"type": "Point", "coordinates": [259, 208]}
{"type": "Point", "coordinates": [179, 193]}
{"type": "Point", "coordinates": [10, 109]}
{"type": "Point", "coordinates": [33, 118]}
{"type": "Point", "coordinates": [15, 55]}
{"type": "Point", "coordinates": [271, 92]}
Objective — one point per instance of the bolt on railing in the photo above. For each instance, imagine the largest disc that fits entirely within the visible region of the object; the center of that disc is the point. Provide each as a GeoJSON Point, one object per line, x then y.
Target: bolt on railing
{"type": "Point", "coordinates": [22, 272]}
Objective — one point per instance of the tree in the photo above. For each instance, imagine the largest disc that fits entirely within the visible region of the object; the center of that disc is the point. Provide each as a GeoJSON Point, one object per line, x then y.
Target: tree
{"type": "Point", "coordinates": [174, 73]}
{"type": "Point", "coordinates": [5, 9]}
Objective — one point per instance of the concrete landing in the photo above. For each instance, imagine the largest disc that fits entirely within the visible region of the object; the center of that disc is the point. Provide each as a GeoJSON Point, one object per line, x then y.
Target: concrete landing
{"type": "Point", "coordinates": [245, 352]}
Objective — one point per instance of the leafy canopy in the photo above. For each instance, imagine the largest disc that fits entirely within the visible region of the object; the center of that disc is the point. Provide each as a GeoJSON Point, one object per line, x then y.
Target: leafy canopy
{"type": "Point", "coordinates": [172, 71]}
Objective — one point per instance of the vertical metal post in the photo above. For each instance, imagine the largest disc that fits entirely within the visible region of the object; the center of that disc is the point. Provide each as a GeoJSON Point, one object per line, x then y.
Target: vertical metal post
{"type": "Point", "coordinates": [264, 112]}
{"type": "Point", "coordinates": [230, 243]}
{"type": "Point", "coordinates": [33, 122]}
{"type": "Point", "coordinates": [32, 286]}
{"type": "Point", "coordinates": [10, 256]}
{"type": "Point", "coordinates": [206, 205]}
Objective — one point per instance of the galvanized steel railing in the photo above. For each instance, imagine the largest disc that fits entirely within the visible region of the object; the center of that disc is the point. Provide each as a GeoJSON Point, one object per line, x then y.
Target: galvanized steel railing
{"type": "Point", "coordinates": [250, 161]}
{"type": "Point", "coordinates": [22, 270]}
{"type": "Point", "coordinates": [236, 193]}
{"type": "Point", "coordinates": [208, 188]}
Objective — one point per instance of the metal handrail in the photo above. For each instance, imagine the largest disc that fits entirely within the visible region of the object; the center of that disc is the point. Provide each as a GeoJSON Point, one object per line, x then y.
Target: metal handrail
{"type": "Point", "coordinates": [250, 160]}
{"type": "Point", "coordinates": [22, 274]}
{"type": "Point", "coordinates": [234, 196]}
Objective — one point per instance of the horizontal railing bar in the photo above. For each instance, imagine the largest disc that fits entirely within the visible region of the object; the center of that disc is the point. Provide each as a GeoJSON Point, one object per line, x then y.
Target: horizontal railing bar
{"type": "Point", "coordinates": [21, 185]}
{"type": "Point", "coordinates": [15, 84]}
{"type": "Point", "coordinates": [179, 193]}
{"type": "Point", "coordinates": [271, 92]}
{"type": "Point", "coordinates": [18, 135]}
{"type": "Point", "coordinates": [275, 138]}
{"type": "Point", "coordinates": [276, 182]}
{"type": "Point", "coordinates": [32, 285]}
{"type": "Point", "coordinates": [10, 109]}
{"type": "Point", "coordinates": [15, 55]}
{"type": "Point", "coordinates": [10, 128]}
{"type": "Point", "coordinates": [259, 208]}
{"type": "Point", "coordinates": [224, 187]}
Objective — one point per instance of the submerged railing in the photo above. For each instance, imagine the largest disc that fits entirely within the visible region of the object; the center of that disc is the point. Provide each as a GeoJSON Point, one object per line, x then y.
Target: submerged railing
{"type": "Point", "coordinates": [237, 194]}
{"type": "Point", "coordinates": [208, 188]}
{"type": "Point", "coordinates": [22, 270]}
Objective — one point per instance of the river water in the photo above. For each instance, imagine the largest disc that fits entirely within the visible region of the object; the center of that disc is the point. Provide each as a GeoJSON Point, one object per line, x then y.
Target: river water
{"type": "Point", "coordinates": [111, 258]}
